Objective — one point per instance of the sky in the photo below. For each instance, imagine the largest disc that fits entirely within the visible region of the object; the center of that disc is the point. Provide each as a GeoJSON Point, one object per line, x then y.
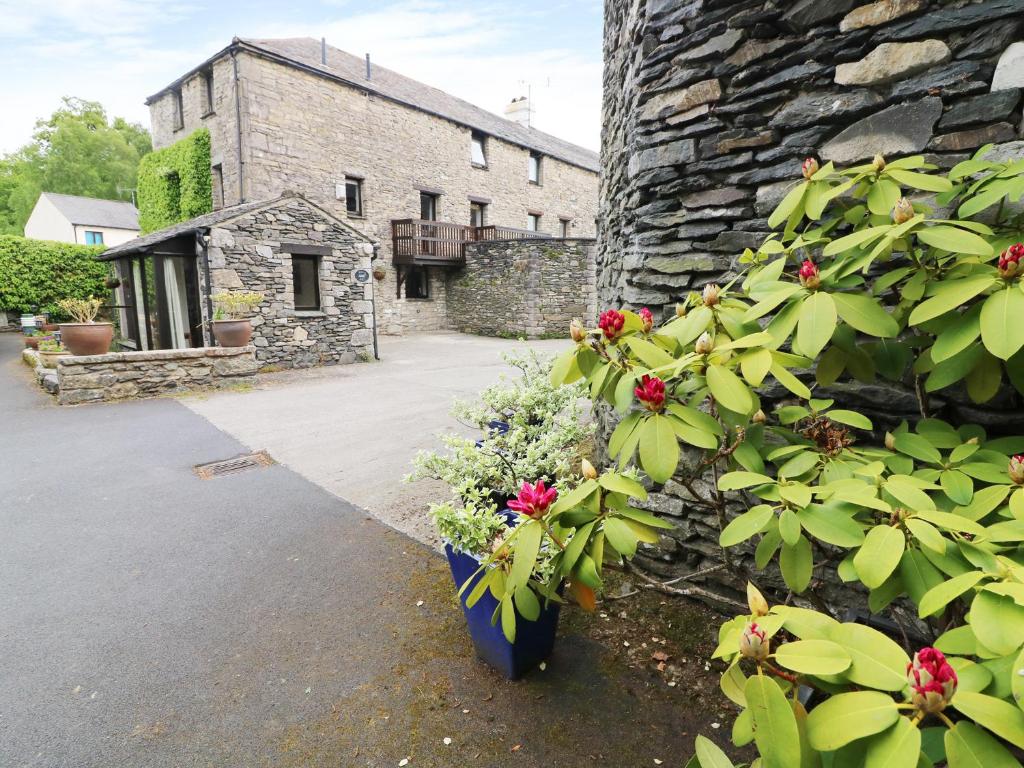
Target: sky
{"type": "Point", "coordinates": [118, 52]}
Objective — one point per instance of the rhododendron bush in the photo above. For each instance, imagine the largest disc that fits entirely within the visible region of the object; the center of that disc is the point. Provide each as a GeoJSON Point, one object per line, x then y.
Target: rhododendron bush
{"type": "Point", "coordinates": [884, 271]}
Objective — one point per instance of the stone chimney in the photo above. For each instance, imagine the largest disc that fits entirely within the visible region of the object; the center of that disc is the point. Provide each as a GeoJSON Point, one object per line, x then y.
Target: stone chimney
{"type": "Point", "coordinates": [519, 111]}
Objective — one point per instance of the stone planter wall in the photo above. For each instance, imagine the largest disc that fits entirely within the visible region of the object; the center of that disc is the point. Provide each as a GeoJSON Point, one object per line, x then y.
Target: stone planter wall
{"type": "Point", "coordinates": [710, 107]}
{"type": "Point", "coordinates": [531, 288]}
{"type": "Point", "coordinates": [122, 375]}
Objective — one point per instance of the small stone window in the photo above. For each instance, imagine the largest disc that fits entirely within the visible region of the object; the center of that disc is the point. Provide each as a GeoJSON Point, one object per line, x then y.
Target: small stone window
{"type": "Point", "coordinates": [306, 282]}
{"type": "Point", "coordinates": [208, 101]}
{"type": "Point", "coordinates": [217, 177]}
{"type": "Point", "coordinates": [533, 222]}
{"type": "Point", "coordinates": [533, 168]}
{"type": "Point", "coordinates": [563, 227]}
{"type": "Point", "coordinates": [478, 149]}
{"type": "Point", "coordinates": [179, 109]}
{"type": "Point", "coordinates": [354, 196]}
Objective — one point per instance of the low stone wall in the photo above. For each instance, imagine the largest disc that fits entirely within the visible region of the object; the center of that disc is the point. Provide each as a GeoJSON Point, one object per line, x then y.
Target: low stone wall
{"type": "Point", "coordinates": [531, 288]}
{"type": "Point", "coordinates": [121, 375]}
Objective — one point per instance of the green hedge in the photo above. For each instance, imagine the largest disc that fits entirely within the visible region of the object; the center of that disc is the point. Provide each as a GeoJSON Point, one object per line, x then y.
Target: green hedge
{"type": "Point", "coordinates": [36, 274]}
{"type": "Point", "coordinates": [174, 183]}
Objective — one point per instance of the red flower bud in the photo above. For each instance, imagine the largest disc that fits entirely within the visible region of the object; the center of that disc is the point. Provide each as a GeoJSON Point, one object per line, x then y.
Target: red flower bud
{"type": "Point", "coordinates": [754, 643]}
{"type": "Point", "coordinates": [809, 168]}
{"type": "Point", "coordinates": [1009, 261]}
{"type": "Point", "coordinates": [533, 500]}
{"type": "Point", "coordinates": [903, 211]}
{"type": "Point", "coordinates": [1016, 469]}
{"type": "Point", "coordinates": [651, 393]}
{"type": "Point", "coordinates": [932, 680]}
{"type": "Point", "coordinates": [611, 323]}
{"type": "Point", "coordinates": [809, 275]}
{"type": "Point", "coordinates": [647, 318]}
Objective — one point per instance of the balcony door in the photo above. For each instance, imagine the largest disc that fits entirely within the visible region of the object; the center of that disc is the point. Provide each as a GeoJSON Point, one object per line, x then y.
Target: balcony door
{"type": "Point", "coordinates": [428, 233]}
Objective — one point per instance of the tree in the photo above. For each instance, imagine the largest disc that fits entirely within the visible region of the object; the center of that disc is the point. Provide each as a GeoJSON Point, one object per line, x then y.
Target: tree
{"type": "Point", "coordinates": [77, 151]}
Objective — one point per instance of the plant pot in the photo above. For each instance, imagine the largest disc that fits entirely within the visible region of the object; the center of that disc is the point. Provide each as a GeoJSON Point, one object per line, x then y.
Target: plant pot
{"type": "Point", "coordinates": [534, 639]}
{"type": "Point", "coordinates": [49, 359]}
{"type": "Point", "coordinates": [49, 327]}
{"type": "Point", "coordinates": [379, 274]}
{"type": "Point", "coordinates": [87, 338]}
{"type": "Point", "coordinates": [32, 342]}
{"type": "Point", "coordinates": [232, 333]}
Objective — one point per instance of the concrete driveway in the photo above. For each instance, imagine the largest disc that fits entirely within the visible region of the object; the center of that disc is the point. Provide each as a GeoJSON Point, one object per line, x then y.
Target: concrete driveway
{"type": "Point", "coordinates": [354, 429]}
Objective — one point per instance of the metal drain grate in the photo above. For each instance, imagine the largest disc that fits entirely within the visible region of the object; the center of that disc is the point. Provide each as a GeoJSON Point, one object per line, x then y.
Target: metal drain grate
{"type": "Point", "coordinates": [233, 466]}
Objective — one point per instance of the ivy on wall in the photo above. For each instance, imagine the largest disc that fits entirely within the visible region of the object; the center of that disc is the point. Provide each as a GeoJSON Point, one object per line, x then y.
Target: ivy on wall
{"type": "Point", "coordinates": [36, 274]}
{"type": "Point", "coordinates": [174, 182]}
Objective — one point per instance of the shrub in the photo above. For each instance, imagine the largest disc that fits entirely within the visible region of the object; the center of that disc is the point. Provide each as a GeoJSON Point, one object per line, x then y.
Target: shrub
{"type": "Point", "coordinates": [36, 274]}
{"type": "Point", "coordinates": [175, 183]}
{"type": "Point", "coordinates": [858, 282]}
{"type": "Point", "coordinates": [237, 305]}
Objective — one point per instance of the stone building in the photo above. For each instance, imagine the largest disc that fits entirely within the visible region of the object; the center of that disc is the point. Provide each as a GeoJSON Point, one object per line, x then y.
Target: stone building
{"type": "Point", "coordinates": [312, 268]}
{"type": "Point", "coordinates": [711, 105]}
{"type": "Point", "coordinates": [375, 147]}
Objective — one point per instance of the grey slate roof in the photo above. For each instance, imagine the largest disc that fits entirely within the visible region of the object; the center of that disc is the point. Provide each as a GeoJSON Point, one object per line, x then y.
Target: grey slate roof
{"type": "Point", "coordinates": [305, 53]}
{"type": "Point", "coordinates": [208, 220]}
{"type": "Point", "coordinates": [94, 212]}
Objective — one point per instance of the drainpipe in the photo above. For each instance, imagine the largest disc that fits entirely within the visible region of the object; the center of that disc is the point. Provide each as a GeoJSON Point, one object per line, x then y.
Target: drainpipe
{"type": "Point", "coordinates": [202, 249]}
{"type": "Point", "coordinates": [373, 300]}
{"type": "Point", "coordinates": [238, 129]}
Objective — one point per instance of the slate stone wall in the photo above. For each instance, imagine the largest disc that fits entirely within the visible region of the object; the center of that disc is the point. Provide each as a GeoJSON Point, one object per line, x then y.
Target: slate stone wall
{"type": "Point", "coordinates": [710, 107]}
{"type": "Point", "coordinates": [532, 288]}
{"type": "Point", "coordinates": [123, 375]}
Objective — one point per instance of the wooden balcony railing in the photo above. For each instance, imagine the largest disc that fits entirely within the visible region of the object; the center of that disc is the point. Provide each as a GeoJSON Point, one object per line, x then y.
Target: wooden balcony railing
{"type": "Point", "coordinates": [440, 243]}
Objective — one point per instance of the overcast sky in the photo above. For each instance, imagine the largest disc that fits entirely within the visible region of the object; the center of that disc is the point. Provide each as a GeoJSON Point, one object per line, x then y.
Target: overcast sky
{"type": "Point", "coordinates": [118, 52]}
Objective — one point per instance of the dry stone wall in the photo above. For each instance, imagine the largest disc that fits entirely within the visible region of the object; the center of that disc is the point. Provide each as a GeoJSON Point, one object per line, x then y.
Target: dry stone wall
{"type": "Point", "coordinates": [532, 288]}
{"type": "Point", "coordinates": [710, 106]}
{"type": "Point", "coordinates": [123, 375]}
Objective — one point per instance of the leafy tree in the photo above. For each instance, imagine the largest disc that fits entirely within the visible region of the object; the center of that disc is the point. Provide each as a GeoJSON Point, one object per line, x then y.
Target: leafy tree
{"type": "Point", "coordinates": [77, 151]}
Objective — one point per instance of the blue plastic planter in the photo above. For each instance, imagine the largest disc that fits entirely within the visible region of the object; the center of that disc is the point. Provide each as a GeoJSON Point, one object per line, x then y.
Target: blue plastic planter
{"type": "Point", "coordinates": [493, 428]}
{"type": "Point", "coordinates": [534, 639]}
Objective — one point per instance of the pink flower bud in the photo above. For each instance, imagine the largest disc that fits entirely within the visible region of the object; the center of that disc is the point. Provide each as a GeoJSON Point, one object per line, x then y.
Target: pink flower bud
{"type": "Point", "coordinates": [647, 318]}
{"type": "Point", "coordinates": [588, 470]}
{"type": "Point", "coordinates": [1009, 261]}
{"type": "Point", "coordinates": [576, 331]}
{"type": "Point", "coordinates": [809, 168]}
{"type": "Point", "coordinates": [903, 211]}
{"type": "Point", "coordinates": [809, 275]}
{"type": "Point", "coordinates": [932, 680]}
{"type": "Point", "coordinates": [879, 163]}
{"type": "Point", "coordinates": [680, 310]}
{"type": "Point", "coordinates": [754, 643]}
{"type": "Point", "coordinates": [533, 500]}
{"type": "Point", "coordinates": [1016, 469]}
{"type": "Point", "coordinates": [611, 323]}
{"type": "Point", "coordinates": [704, 344]}
{"type": "Point", "coordinates": [710, 294]}
{"type": "Point", "coordinates": [651, 392]}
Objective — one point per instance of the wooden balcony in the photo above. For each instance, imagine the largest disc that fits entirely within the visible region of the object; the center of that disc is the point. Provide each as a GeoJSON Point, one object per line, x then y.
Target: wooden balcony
{"type": "Point", "coordinates": [442, 244]}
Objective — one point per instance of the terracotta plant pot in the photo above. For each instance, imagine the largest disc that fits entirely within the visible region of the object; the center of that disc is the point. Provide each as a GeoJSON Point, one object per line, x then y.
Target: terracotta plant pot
{"type": "Point", "coordinates": [49, 359]}
{"type": "Point", "coordinates": [32, 342]}
{"type": "Point", "coordinates": [49, 327]}
{"type": "Point", "coordinates": [87, 338]}
{"type": "Point", "coordinates": [232, 333]}
{"type": "Point", "coordinates": [380, 274]}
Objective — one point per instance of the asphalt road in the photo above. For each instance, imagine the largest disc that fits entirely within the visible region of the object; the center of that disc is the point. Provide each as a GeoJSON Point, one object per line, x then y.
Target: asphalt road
{"type": "Point", "coordinates": [150, 618]}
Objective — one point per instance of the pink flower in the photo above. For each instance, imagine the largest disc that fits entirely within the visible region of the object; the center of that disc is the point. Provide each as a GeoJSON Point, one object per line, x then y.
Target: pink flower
{"type": "Point", "coordinates": [533, 500]}
{"type": "Point", "coordinates": [647, 318]}
{"type": "Point", "coordinates": [611, 323]}
{"type": "Point", "coordinates": [809, 275]}
{"type": "Point", "coordinates": [932, 680]}
{"type": "Point", "coordinates": [754, 642]}
{"type": "Point", "coordinates": [1009, 260]}
{"type": "Point", "coordinates": [809, 167]}
{"type": "Point", "coordinates": [651, 392]}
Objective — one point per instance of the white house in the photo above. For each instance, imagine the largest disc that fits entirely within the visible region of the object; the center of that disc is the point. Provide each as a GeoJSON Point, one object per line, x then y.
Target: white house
{"type": "Point", "coordinates": [82, 220]}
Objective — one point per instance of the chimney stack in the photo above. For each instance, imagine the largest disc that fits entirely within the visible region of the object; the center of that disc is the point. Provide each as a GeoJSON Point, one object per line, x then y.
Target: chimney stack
{"type": "Point", "coordinates": [368, 72]}
{"type": "Point", "coordinates": [323, 51]}
{"type": "Point", "coordinates": [518, 111]}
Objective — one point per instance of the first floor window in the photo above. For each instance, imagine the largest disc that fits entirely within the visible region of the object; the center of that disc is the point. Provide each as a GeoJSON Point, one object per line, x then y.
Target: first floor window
{"type": "Point", "coordinates": [354, 196]}
{"type": "Point", "coordinates": [208, 92]}
{"type": "Point", "coordinates": [533, 222]}
{"type": "Point", "coordinates": [93, 238]}
{"type": "Point", "coordinates": [179, 110]}
{"type": "Point", "coordinates": [417, 283]}
{"type": "Point", "coordinates": [476, 214]}
{"type": "Point", "coordinates": [478, 149]}
{"type": "Point", "coordinates": [306, 282]}
{"type": "Point", "coordinates": [533, 168]}
{"type": "Point", "coordinates": [563, 227]}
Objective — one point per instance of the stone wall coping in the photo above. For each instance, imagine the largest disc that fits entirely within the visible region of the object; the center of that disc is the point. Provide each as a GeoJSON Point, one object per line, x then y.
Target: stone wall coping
{"type": "Point", "coordinates": [532, 241]}
{"type": "Point", "coordinates": [155, 355]}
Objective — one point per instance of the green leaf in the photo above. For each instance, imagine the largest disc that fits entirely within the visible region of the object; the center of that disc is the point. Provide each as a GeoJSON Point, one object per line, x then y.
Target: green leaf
{"type": "Point", "coordinates": [860, 238]}
{"type": "Point", "coordinates": [953, 239]}
{"type": "Point", "coordinates": [877, 662]}
{"type": "Point", "coordinates": [1002, 718]}
{"type": "Point", "coordinates": [1017, 680]}
{"type": "Point", "coordinates": [831, 526]}
{"type": "Point", "coordinates": [729, 390]}
{"type": "Point", "coordinates": [958, 335]}
{"type": "Point", "coordinates": [898, 747]}
{"type": "Point", "coordinates": [508, 618]}
{"type": "Point", "coordinates": [789, 381]}
{"type": "Point", "coordinates": [688, 328]}
{"type": "Point", "coordinates": [574, 548]}
{"type": "Point", "coordinates": [882, 196]}
{"type": "Point", "coordinates": [613, 481]}
{"type": "Point", "coordinates": [527, 603]}
{"type": "Point", "coordinates": [948, 296]}
{"type": "Point", "coordinates": [1000, 322]}
{"type": "Point", "coordinates": [917, 447]}
{"type": "Point", "coordinates": [958, 486]}
{"type": "Point", "coordinates": [799, 464]}
{"type": "Point", "coordinates": [817, 323]}
{"type": "Point", "coordinates": [999, 622]}
{"type": "Point", "coordinates": [709, 755]}
{"type": "Point", "coordinates": [527, 545]}
{"type": "Point", "coordinates": [648, 353]}
{"type": "Point", "coordinates": [620, 536]}
{"type": "Point", "coordinates": [923, 181]}
{"type": "Point", "coordinates": [797, 564]}
{"type": "Point", "coordinates": [879, 555]}
{"type": "Point", "coordinates": [789, 526]}
{"type": "Point", "coordinates": [939, 597]}
{"type": "Point", "coordinates": [755, 364]}
{"type": "Point", "coordinates": [775, 729]}
{"type": "Point", "coordinates": [813, 657]}
{"type": "Point", "coordinates": [693, 435]}
{"type": "Point", "coordinates": [745, 526]}
{"type": "Point", "coordinates": [865, 314]}
{"type": "Point", "coordinates": [564, 370]}
{"type": "Point", "coordinates": [737, 481]}
{"type": "Point", "coordinates": [659, 449]}
{"type": "Point", "coordinates": [968, 746]}
{"type": "Point", "coordinates": [789, 203]}
{"type": "Point", "coordinates": [849, 716]}
{"type": "Point", "coordinates": [851, 419]}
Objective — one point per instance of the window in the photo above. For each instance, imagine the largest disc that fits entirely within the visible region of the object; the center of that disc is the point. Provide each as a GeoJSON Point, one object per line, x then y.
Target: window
{"type": "Point", "coordinates": [477, 214]}
{"type": "Point", "coordinates": [563, 227]}
{"type": "Point", "coordinates": [533, 168]}
{"type": "Point", "coordinates": [428, 206]}
{"type": "Point", "coordinates": [417, 283]}
{"type": "Point", "coordinates": [208, 92]}
{"type": "Point", "coordinates": [478, 144]}
{"type": "Point", "coordinates": [354, 196]}
{"type": "Point", "coordinates": [533, 222]}
{"type": "Point", "coordinates": [179, 109]}
{"type": "Point", "coordinates": [306, 282]}
{"type": "Point", "coordinates": [93, 238]}
{"type": "Point", "coordinates": [217, 176]}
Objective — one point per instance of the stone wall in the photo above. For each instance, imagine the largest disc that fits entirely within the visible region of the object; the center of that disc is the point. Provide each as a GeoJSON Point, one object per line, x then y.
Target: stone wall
{"type": "Point", "coordinates": [711, 105]}
{"type": "Point", "coordinates": [122, 375]}
{"type": "Point", "coordinates": [253, 253]}
{"type": "Point", "coordinates": [302, 131]}
{"type": "Point", "coordinates": [531, 288]}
